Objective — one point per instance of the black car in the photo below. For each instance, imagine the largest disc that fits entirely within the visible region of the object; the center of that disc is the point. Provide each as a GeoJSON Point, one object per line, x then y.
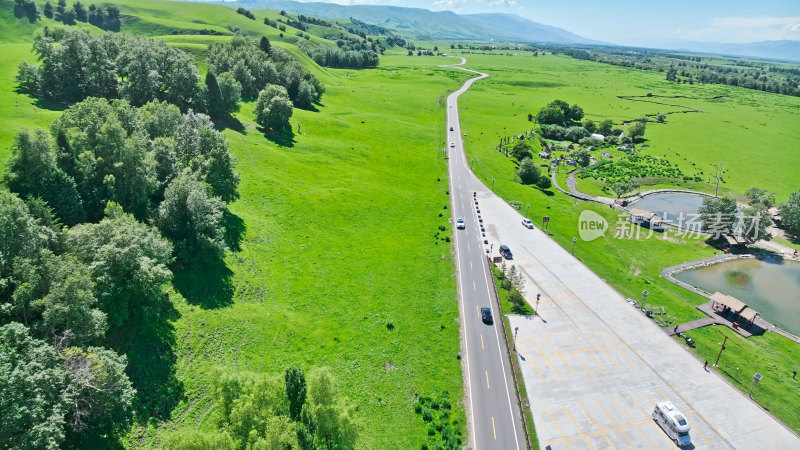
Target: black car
{"type": "Point", "coordinates": [486, 315]}
{"type": "Point", "coordinates": [451, 128]}
{"type": "Point", "coordinates": [505, 251]}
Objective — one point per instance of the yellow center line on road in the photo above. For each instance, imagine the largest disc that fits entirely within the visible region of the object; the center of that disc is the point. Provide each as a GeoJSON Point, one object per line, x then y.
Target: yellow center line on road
{"type": "Point", "coordinates": [470, 264]}
{"type": "Point", "coordinates": [487, 380]}
{"type": "Point", "coordinates": [482, 341]}
{"type": "Point", "coordinates": [468, 249]}
{"type": "Point", "coordinates": [473, 286]}
{"type": "Point", "coordinates": [494, 431]}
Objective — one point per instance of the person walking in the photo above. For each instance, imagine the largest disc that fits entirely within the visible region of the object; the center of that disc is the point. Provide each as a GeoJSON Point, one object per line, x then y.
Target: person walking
{"type": "Point", "coordinates": [705, 366]}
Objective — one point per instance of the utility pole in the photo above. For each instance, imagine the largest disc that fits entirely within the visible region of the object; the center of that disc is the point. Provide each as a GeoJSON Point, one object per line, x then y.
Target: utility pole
{"type": "Point", "coordinates": [723, 346]}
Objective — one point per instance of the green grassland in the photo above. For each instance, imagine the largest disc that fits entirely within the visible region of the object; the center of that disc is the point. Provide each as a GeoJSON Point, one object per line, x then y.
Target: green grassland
{"type": "Point", "coordinates": [341, 237]}
{"type": "Point", "coordinates": [498, 107]}
{"type": "Point", "coordinates": [754, 132]}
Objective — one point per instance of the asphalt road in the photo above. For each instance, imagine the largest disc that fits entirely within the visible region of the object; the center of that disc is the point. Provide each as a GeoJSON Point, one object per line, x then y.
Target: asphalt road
{"type": "Point", "coordinates": [492, 408]}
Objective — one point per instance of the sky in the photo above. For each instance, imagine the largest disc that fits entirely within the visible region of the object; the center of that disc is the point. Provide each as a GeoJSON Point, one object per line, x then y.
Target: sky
{"type": "Point", "coordinates": [639, 22]}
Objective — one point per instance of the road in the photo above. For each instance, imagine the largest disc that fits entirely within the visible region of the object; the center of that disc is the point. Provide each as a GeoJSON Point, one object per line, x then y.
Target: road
{"type": "Point", "coordinates": [494, 417]}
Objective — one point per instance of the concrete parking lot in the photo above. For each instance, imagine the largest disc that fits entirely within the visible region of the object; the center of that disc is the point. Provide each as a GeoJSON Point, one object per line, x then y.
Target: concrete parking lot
{"type": "Point", "coordinates": [594, 366]}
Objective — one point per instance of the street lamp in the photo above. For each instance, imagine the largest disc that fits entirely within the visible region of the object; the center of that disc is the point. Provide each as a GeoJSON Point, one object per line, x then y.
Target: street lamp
{"type": "Point", "coordinates": [574, 240]}
{"type": "Point", "coordinates": [536, 311]}
{"type": "Point", "coordinates": [516, 330]}
{"type": "Point", "coordinates": [492, 184]}
{"type": "Point", "coordinates": [644, 298]}
{"type": "Point", "coordinates": [756, 378]}
{"type": "Point", "coordinates": [527, 210]}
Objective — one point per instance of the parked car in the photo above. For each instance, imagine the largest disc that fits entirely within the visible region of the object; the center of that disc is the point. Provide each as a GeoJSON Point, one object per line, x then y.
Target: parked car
{"type": "Point", "coordinates": [460, 223]}
{"type": "Point", "coordinates": [486, 315]}
{"type": "Point", "coordinates": [527, 223]}
{"type": "Point", "coordinates": [505, 252]}
{"type": "Point", "coordinates": [451, 128]}
{"type": "Point", "coordinates": [452, 144]}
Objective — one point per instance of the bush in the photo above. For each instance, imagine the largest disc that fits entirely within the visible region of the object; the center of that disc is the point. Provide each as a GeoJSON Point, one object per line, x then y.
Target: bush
{"type": "Point", "coordinates": [544, 182]}
{"type": "Point", "coordinates": [528, 171]}
{"type": "Point", "coordinates": [576, 133]}
{"type": "Point", "coordinates": [555, 132]}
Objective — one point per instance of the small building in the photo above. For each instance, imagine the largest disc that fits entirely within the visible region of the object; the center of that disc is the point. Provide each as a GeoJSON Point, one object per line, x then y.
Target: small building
{"type": "Point", "coordinates": [607, 155]}
{"type": "Point", "coordinates": [544, 154]}
{"type": "Point", "coordinates": [598, 136]}
{"type": "Point", "coordinates": [572, 162]}
{"type": "Point", "coordinates": [733, 309]}
{"type": "Point", "coordinates": [646, 219]}
{"type": "Point", "coordinates": [590, 148]}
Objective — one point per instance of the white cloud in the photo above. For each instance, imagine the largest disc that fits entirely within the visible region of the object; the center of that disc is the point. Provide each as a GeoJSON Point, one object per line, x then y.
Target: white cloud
{"type": "Point", "coordinates": [745, 29]}
{"type": "Point", "coordinates": [506, 3]}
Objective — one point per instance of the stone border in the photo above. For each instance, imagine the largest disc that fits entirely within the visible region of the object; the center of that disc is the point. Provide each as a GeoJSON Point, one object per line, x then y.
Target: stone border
{"type": "Point", "coordinates": [668, 273]}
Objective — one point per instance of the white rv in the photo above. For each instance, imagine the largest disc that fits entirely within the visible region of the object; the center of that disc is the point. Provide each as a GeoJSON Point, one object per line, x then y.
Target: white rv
{"type": "Point", "coordinates": [672, 422]}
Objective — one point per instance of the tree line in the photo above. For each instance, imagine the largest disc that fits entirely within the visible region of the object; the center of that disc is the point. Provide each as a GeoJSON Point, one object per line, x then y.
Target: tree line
{"type": "Point", "coordinates": [347, 59]}
{"type": "Point", "coordinates": [98, 212]}
{"type": "Point", "coordinates": [255, 411]}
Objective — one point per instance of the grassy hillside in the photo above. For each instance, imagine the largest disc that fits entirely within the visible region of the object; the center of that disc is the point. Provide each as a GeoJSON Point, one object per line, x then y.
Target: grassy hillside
{"type": "Point", "coordinates": [342, 263]}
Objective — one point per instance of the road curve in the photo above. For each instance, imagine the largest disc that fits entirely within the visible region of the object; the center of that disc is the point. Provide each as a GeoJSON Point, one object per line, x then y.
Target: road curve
{"type": "Point", "coordinates": [493, 412]}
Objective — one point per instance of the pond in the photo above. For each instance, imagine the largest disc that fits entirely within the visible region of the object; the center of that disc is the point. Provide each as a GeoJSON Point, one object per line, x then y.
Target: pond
{"type": "Point", "coordinates": [679, 209]}
{"type": "Point", "coordinates": [770, 286]}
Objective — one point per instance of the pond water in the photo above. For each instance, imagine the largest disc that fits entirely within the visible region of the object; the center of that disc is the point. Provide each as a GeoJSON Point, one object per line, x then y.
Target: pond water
{"type": "Point", "coordinates": [680, 209]}
{"type": "Point", "coordinates": [770, 286]}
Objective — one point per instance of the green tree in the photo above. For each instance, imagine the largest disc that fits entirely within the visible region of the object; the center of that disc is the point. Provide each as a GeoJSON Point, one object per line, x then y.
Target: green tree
{"type": "Point", "coordinates": [753, 223]}
{"type": "Point", "coordinates": [273, 108]}
{"type": "Point", "coordinates": [28, 77]}
{"type": "Point", "coordinates": [661, 117]}
{"type": "Point", "coordinates": [672, 74]}
{"type": "Point", "coordinates": [231, 92]}
{"type": "Point", "coordinates": [55, 298]}
{"type": "Point", "coordinates": [21, 236]}
{"type": "Point", "coordinates": [575, 133]}
{"type": "Point", "coordinates": [48, 9]}
{"type": "Point", "coordinates": [790, 214]}
{"type": "Point", "coordinates": [265, 45]}
{"type": "Point", "coordinates": [192, 219]}
{"type": "Point", "coordinates": [718, 215]}
{"type": "Point", "coordinates": [32, 391]}
{"type": "Point", "coordinates": [333, 418]}
{"type": "Point", "coordinates": [295, 382]}
{"type": "Point", "coordinates": [623, 187]}
{"type": "Point", "coordinates": [216, 108]}
{"type": "Point", "coordinates": [521, 150]}
{"type": "Point", "coordinates": [637, 128]}
{"type": "Point", "coordinates": [605, 127]}
{"type": "Point", "coordinates": [582, 157]}
{"type": "Point", "coordinates": [575, 113]}
{"type": "Point", "coordinates": [128, 261]}
{"type": "Point", "coordinates": [33, 172]}
{"type": "Point", "coordinates": [191, 439]}
{"type": "Point", "coordinates": [528, 172]}
{"type": "Point", "coordinates": [550, 115]}
{"type": "Point", "coordinates": [590, 126]}
{"type": "Point", "coordinates": [760, 196]}
{"type": "Point", "coordinates": [100, 392]}
{"type": "Point", "coordinates": [81, 14]}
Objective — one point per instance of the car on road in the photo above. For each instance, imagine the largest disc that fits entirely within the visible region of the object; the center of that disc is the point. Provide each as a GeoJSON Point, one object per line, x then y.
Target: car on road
{"type": "Point", "coordinates": [451, 128]}
{"type": "Point", "coordinates": [486, 315]}
{"type": "Point", "coordinates": [527, 223]}
{"type": "Point", "coordinates": [452, 144]}
{"type": "Point", "coordinates": [505, 252]}
{"type": "Point", "coordinates": [460, 223]}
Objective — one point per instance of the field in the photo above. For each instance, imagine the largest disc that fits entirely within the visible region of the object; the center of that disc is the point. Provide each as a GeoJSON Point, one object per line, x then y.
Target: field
{"type": "Point", "coordinates": [753, 132]}
{"type": "Point", "coordinates": [342, 262]}
{"type": "Point", "coordinates": [498, 106]}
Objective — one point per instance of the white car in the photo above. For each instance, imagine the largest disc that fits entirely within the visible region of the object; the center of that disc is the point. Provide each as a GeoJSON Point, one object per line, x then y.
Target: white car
{"type": "Point", "coordinates": [527, 223]}
{"type": "Point", "coordinates": [452, 145]}
{"type": "Point", "coordinates": [460, 223]}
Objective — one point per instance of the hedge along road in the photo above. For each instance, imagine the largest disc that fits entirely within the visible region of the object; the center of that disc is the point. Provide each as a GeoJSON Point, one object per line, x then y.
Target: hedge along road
{"type": "Point", "coordinates": [494, 415]}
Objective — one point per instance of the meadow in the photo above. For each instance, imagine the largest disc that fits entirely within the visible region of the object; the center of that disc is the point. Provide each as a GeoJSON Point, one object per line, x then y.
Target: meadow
{"type": "Point", "coordinates": [498, 107]}
{"type": "Point", "coordinates": [342, 263]}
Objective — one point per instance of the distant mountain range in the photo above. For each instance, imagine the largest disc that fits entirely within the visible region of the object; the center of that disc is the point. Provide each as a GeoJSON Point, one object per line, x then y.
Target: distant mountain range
{"type": "Point", "coordinates": [789, 50]}
{"type": "Point", "coordinates": [422, 24]}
